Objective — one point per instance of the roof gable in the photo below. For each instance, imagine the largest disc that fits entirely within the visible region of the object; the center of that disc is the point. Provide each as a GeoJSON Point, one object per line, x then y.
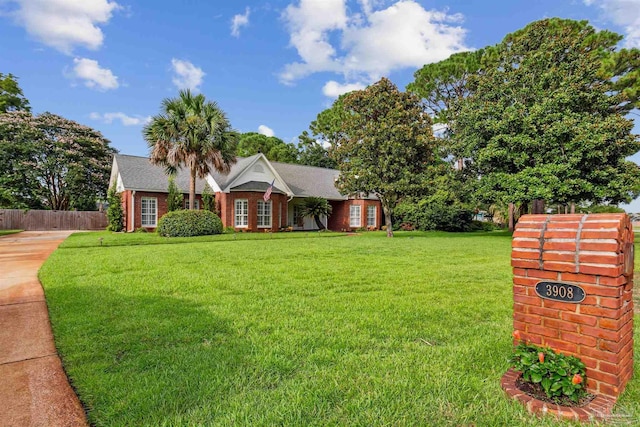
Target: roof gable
{"type": "Point", "coordinates": [255, 169]}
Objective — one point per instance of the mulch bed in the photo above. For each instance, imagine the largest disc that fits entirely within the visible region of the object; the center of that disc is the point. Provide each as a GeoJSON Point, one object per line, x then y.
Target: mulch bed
{"type": "Point", "coordinates": [537, 392]}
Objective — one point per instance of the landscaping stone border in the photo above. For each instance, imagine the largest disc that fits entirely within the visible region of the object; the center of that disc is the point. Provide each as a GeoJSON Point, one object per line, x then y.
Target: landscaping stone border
{"type": "Point", "coordinates": [599, 408]}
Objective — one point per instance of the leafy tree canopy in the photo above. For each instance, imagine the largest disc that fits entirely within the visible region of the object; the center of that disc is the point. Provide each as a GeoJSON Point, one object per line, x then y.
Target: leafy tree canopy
{"type": "Point", "coordinates": [273, 148]}
{"type": "Point", "coordinates": [312, 153]}
{"type": "Point", "coordinates": [11, 96]}
{"type": "Point", "coordinates": [547, 121]}
{"type": "Point", "coordinates": [47, 161]}
{"type": "Point", "coordinates": [382, 141]}
{"type": "Point", "coordinates": [194, 133]}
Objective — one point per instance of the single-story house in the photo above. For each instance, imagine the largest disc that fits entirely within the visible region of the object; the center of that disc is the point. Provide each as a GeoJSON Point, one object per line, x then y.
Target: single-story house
{"type": "Point", "coordinates": [239, 195]}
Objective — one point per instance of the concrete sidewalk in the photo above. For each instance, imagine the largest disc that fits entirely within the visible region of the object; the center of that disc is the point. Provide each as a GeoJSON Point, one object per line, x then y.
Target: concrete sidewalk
{"type": "Point", "coordinates": [34, 390]}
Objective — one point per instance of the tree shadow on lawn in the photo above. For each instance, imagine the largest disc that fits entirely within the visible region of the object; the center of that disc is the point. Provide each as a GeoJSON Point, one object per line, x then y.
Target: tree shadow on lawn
{"type": "Point", "coordinates": [146, 359]}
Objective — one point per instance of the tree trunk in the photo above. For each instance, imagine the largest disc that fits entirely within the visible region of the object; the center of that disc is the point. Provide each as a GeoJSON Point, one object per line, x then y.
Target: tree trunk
{"type": "Point", "coordinates": [573, 207]}
{"type": "Point", "coordinates": [538, 206]}
{"type": "Point", "coordinates": [319, 223]}
{"type": "Point", "coordinates": [192, 190]}
{"type": "Point", "coordinates": [387, 219]}
{"type": "Point", "coordinates": [512, 208]}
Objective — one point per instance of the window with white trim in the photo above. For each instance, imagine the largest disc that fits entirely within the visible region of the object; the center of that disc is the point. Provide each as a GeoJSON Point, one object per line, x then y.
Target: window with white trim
{"type": "Point", "coordinates": [196, 203]}
{"type": "Point", "coordinates": [241, 213]}
{"type": "Point", "coordinates": [149, 211]}
{"type": "Point", "coordinates": [354, 216]}
{"type": "Point", "coordinates": [371, 216]}
{"type": "Point", "coordinates": [264, 214]}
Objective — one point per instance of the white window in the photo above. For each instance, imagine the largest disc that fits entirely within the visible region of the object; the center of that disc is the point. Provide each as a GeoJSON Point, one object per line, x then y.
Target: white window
{"type": "Point", "coordinates": [264, 214]}
{"type": "Point", "coordinates": [149, 206]}
{"type": "Point", "coordinates": [354, 216]}
{"type": "Point", "coordinates": [242, 213]}
{"type": "Point", "coordinates": [196, 203]}
{"type": "Point", "coordinates": [371, 216]}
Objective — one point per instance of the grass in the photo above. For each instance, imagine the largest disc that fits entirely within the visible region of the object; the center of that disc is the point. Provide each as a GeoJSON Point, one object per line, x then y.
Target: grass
{"type": "Point", "coordinates": [352, 330]}
{"type": "Point", "coordinates": [5, 232]}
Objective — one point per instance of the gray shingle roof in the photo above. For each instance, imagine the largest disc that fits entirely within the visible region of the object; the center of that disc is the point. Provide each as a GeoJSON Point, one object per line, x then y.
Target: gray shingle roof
{"type": "Point", "coordinates": [306, 181]}
{"type": "Point", "coordinates": [241, 164]}
{"type": "Point", "coordinates": [139, 174]}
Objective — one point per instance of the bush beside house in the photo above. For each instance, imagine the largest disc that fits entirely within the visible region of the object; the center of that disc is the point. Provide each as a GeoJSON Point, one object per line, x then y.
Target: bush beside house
{"type": "Point", "coordinates": [187, 223]}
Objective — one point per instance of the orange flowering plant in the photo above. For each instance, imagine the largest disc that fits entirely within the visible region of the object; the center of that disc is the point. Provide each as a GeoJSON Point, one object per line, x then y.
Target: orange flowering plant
{"type": "Point", "coordinates": [559, 375]}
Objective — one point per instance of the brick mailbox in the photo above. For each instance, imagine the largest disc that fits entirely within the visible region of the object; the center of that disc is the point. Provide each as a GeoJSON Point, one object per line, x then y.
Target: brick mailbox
{"type": "Point", "coordinates": [572, 291]}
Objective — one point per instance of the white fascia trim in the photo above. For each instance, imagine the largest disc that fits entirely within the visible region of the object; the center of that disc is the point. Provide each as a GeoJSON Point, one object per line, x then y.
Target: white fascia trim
{"type": "Point", "coordinates": [213, 184]}
{"type": "Point", "coordinates": [281, 181]}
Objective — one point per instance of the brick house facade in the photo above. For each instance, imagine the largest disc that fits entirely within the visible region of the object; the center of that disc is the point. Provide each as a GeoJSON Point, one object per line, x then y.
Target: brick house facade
{"type": "Point", "coordinates": [239, 195]}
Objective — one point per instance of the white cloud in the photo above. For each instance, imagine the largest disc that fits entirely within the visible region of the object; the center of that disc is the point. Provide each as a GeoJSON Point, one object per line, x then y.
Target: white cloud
{"type": "Point", "coordinates": [187, 75]}
{"type": "Point", "coordinates": [94, 77]}
{"type": "Point", "coordinates": [266, 130]}
{"type": "Point", "coordinates": [333, 89]}
{"type": "Point", "coordinates": [125, 119]}
{"type": "Point", "coordinates": [238, 21]}
{"type": "Point", "coordinates": [65, 24]}
{"type": "Point", "coordinates": [625, 13]}
{"type": "Point", "coordinates": [365, 46]}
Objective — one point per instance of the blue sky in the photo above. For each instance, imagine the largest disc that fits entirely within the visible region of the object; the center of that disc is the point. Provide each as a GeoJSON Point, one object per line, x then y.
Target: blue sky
{"type": "Point", "coordinates": [272, 66]}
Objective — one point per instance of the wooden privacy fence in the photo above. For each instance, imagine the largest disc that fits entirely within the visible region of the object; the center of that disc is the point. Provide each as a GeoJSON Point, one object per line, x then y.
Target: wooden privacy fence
{"type": "Point", "coordinates": [13, 219]}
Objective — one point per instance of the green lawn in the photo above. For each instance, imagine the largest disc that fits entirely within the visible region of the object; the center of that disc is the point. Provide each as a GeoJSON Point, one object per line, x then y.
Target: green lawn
{"type": "Point", "coordinates": [298, 329]}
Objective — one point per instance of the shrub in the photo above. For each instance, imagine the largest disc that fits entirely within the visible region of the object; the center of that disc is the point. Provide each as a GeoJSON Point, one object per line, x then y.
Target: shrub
{"type": "Point", "coordinates": [425, 216]}
{"type": "Point", "coordinates": [559, 376]}
{"type": "Point", "coordinates": [187, 223]}
{"type": "Point", "coordinates": [115, 214]}
{"type": "Point", "coordinates": [175, 198]}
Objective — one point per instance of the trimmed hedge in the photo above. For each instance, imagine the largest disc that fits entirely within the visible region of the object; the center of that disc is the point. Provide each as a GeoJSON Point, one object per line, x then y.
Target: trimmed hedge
{"type": "Point", "coordinates": [187, 223]}
{"type": "Point", "coordinates": [432, 216]}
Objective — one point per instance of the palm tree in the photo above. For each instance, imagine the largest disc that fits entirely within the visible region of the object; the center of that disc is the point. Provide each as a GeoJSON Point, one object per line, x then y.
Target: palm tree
{"type": "Point", "coordinates": [194, 133]}
{"type": "Point", "coordinates": [315, 207]}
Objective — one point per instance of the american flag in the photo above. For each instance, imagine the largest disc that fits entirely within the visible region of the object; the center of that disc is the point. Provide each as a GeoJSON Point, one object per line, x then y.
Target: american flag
{"type": "Point", "coordinates": [267, 194]}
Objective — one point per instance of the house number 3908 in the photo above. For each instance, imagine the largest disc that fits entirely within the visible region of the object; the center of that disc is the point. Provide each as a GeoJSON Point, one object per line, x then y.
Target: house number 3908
{"type": "Point", "coordinates": [557, 291]}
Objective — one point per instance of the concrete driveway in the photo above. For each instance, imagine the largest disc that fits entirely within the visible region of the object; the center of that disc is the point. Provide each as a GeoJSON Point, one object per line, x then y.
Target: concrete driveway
{"type": "Point", "coordinates": [34, 389]}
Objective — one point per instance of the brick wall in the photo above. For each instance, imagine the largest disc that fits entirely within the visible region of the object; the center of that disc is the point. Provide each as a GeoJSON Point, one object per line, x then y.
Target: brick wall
{"type": "Point", "coordinates": [137, 205]}
{"type": "Point", "coordinates": [594, 252]}
{"type": "Point", "coordinates": [226, 204]}
{"type": "Point", "coordinates": [339, 218]}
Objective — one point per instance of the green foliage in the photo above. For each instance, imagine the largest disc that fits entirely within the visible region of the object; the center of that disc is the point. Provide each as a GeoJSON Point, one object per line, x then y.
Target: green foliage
{"type": "Point", "coordinates": [382, 141]}
{"type": "Point", "coordinates": [47, 161]}
{"type": "Point", "coordinates": [208, 199]}
{"type": "Point", "coordinates": [273, 148]}
{"type": "Point", "coordinates": [316, 207]}
{"type": "Point", "coordinates": [426, 215]}
{"type": "Point", "coordinates": [442, 85]}
{"type": "Point", "coordinates": [115, 213]}
{"type": "Point", "coordinates": [11, 96]}
{"type": "Point", "coordinates": [559, 375]}
{"type": "Point", "coordinates": [194, 133]}
{"type": "Point", "coordinates": [187, 223]}
{"type": "Point", "coordinates": [546, 121]}
{"type": "Point", "coordinates": [175, 199]}
{"type": "Point", "coordinates": [600, 209]}
{"type": "Point", "coordinates": [312, 153]}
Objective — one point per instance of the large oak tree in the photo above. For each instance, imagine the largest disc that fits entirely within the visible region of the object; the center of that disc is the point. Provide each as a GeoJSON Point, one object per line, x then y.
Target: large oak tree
{"type": "Point", "coordinates": [47, 161]}
{"type": "Point", "coordinates": [382, 140]}
{"type": "Point", "coordinates": [547, 121]}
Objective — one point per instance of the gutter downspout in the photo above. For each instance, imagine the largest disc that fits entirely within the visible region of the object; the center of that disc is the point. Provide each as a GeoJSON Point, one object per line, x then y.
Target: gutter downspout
{"type": "Point", "coordinates": [133, 211]}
